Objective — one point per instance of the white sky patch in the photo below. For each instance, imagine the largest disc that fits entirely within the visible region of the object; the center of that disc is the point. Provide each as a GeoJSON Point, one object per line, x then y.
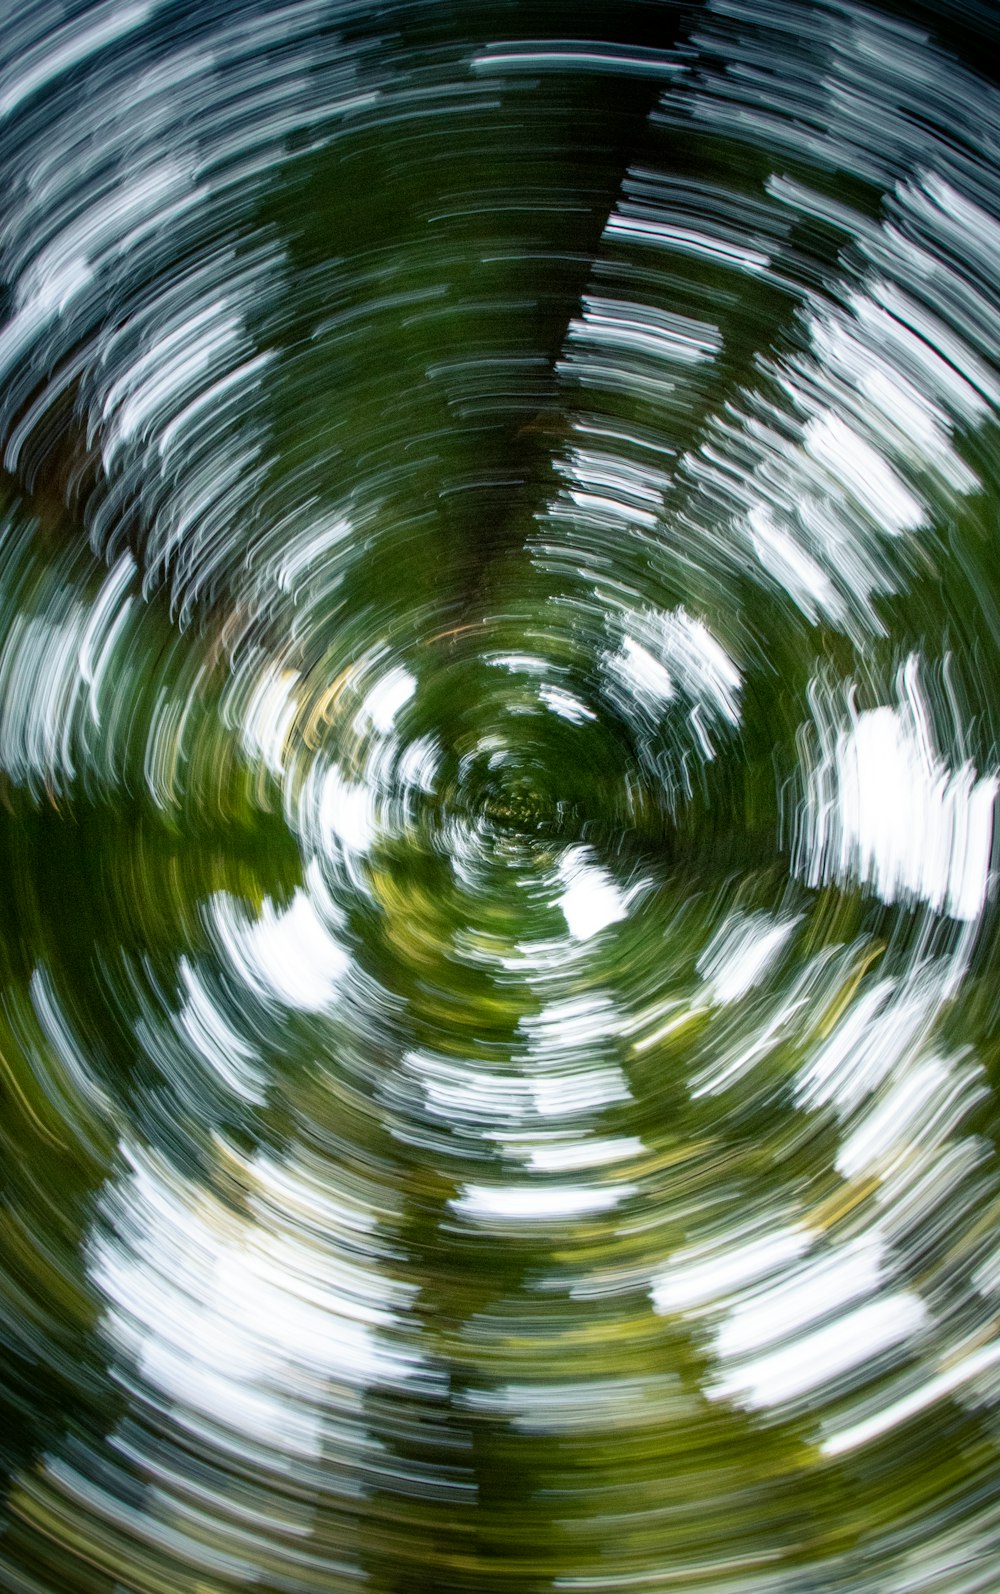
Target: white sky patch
{"type": "Point", "coordinates": [811, 988]}
{"type": "Point", "coordinates": [297, 1190]}
{"type": "Point", "coordinates": [591, 899]}
{"type": "Point", "coordinates": [741, 953]}
{"type": "Point", "coordinates": [922, 1099]}
{"type": "Point", "coordinates": [464, 848]}
{"type": "Point", "coordinates": [859, 468]}
{"type": "Point", "coordinates": [235, 1321]}
{"type": "Point", "coordinates": [855, 444]}
{"type": "Point", "coordinates": [648, 679]}
{"type": "Point", "coordinates": [886, 1022]}
{"type": "Point", "coordinates": [703, 1275]}
{"type": "Point", "coordinates": [883, 808]}
{"type": "Point", "coordinates": [793, 567]}
{"type": "Point", "coordinates": [561, 1092]}
{"type": "Point", "coordinates": [270, 715]}
{"type": "Point", "coordinates": [664, 654]}
{"type": "Point", "coordinates": [511, 1203]}
{"type": "Point", "coordinates": [568, 1071]}
{"type": "Point", "coordinates": [954, 220]}
{"type": "Point", "coordinates": [570, 1156]}
{"type": "Point", "coordinates": [913, 418]}
{"type": "Point", "coordinates": [794, 507]}
{"type": "Point", "coordinates": [469, 1093]}
{"type": "Point", "coordinates": [608, 486]}
{"type": "Point", "coordinates": [417, 766]}
{"type": "Point", "coordinates": [901, 400]}
{"type": "Point", "coordinates": [347, 814]}
{"type": "Point", "coordinates": [573, 1026]}
{"type": "Point", "coordinates": [288, 955]}
{"type": "Point", "coordinates": [176, 377]}
{"type": "Point", "coordinates": [803, 1294]}
{"type": "Point", "coordinates": [912, 829]}
{"type": "Point", "coordinates": [941, 362]}
{"type": "Point", "coordinates": [386, 699]}
{"type": "Point", "coordinates": [565, 705]}
{"type": "Point", "coordinates": [215, 396]}
{"type": "Point", "coordinates": [815, 1359]}
{"type": "Point", "coordinates": [987, 1275]}
{"type": "Point", "coordinates": [562, 1073]}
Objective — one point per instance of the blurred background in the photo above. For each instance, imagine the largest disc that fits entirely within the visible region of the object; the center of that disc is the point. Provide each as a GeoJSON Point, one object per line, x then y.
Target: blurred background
{"type": "Point", "coordinates": [499, 756]}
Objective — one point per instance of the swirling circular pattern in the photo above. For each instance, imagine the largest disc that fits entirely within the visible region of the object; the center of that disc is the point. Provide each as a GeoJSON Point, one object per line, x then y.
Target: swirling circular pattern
{"type": "Point", "coordinates": [499, 760]}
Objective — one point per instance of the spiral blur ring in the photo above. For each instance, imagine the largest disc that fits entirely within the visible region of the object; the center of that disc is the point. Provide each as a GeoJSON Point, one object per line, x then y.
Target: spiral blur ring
{"type": "Point", "coordinates": [499, 759]}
